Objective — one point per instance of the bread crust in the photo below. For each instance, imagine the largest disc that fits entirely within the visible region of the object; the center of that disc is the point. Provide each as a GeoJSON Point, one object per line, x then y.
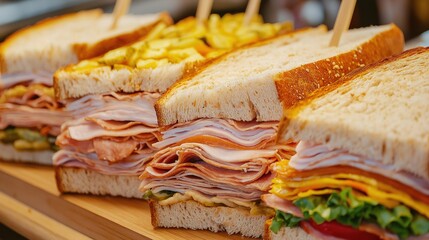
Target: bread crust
{"type": "Point", "coordinates": [193, 215]}
{"type": "Point", "coordinates": [85, 51]}
{"type": "Point", "coordinates": [85, 181]}
{"type": "Point", "coordinates": [45, 23]}
{"type": "Point", "coordinates": [405, 149]}
{"type": "Point", "coordinates": [293, 111]}
{"type": "Point", "coordinates": [82, 50]}
{"type": "Point", "coordinates": [195, 71]}
{"type": "Point", "coordinates": [293, 86]}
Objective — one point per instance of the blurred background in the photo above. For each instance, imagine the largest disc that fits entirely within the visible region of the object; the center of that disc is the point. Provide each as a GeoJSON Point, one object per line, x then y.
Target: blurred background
{"type": "Point", "coordinates": [412, 16]}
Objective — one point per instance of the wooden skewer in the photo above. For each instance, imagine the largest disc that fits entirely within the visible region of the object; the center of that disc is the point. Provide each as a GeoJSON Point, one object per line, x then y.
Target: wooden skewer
{"type": "Point", "coordinates": [203, 10]}
{"type": "Point", "coordinates": [342, 23]}
{"type": "Point", "coordinates": [121, 8]}
{"type": "Point", "coordinates": [251, 9]}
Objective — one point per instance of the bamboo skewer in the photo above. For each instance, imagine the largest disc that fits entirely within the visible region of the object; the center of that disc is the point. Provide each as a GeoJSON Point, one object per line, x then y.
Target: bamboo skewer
{"type": "Point", "coordinates": [121, 8]}
{"type": "Point", "coordinates": [251, 9]}
{"type": "Point", "coordinates": [342, 23]}
{"type": "Point", "coordinates": [203, 10]}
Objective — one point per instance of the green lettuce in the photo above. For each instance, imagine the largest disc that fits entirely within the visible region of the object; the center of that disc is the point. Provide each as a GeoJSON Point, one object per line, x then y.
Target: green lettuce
{"type": "Point", "coordinates": [284, 219]}
{"type": "Point", "coordinates": [346, 209]}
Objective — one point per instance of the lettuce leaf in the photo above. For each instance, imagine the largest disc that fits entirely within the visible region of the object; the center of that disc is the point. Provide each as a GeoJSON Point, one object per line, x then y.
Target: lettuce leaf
{"type": "Point", "coordinates": [283, 219]}
{"type": "Point", "coordinates": [346, 209]}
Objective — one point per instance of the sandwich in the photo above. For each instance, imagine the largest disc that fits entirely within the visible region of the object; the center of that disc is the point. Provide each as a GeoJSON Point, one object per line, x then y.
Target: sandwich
{"type": "Point", "coordinates": [361, 168]}
{"type": "Point", "coordinates": [219, 125]}
{"type": "Point", "coordinates": [30, 117]}
{"type": "Point", "coordinates": [111, 135]}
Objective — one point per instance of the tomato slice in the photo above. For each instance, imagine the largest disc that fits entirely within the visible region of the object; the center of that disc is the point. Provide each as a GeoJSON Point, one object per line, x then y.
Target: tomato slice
{"type": "Point", "coordinates": [336, 229]}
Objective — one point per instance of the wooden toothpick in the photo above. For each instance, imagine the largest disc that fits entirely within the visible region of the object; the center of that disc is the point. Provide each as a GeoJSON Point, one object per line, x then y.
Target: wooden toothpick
{"type": "Point", "coordinates": [251, 9]}
{"type": "Point", "coordinates": [203, 10]}
{"type": "Point", "coordinates": [121, 8]}
{"type": "Point", "coordinates": [342, 22]}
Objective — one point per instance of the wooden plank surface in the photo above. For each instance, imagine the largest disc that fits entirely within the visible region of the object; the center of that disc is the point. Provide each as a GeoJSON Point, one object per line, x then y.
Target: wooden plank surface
{"type": "Point", "coordinates": [96, 217]}
{"type": "Point", "coordinates": [31, 223]}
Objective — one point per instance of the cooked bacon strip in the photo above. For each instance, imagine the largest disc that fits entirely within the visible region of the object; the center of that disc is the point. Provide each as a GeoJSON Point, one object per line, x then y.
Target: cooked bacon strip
{"type": "Point", "coordinates": [23, 116]}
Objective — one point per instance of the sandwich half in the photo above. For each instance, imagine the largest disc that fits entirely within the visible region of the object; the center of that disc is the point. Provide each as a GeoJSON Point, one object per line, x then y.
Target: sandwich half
{"type": "Point", "coordinates": [219, 125]}
{"type": "Point", "coordinates": [111, 136]}
{"type": "Point", "coordinates": [30, 117]}
{"type": "Point", "coordinates": [361, 168]}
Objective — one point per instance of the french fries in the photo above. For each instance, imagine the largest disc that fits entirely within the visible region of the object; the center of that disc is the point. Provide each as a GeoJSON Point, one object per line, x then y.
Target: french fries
{"type": "Point", "coordinates": [186, 41]}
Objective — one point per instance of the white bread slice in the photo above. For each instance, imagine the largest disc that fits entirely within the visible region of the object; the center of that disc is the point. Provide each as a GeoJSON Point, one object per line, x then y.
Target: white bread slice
{"type": "Point", "coordinates": [84, 181]}
{"type": "Point", "coordinates": [69, 84]}
{"type": "Point", "coordinates": [193, 215]}
{"type": "Point", "coordinates": [380, 112]}
{"type": "Point", "coordinates": [62, 40]}
{"type": "Point", "coordinates": [75, 84]}
{"type": "Point", "coordinates": [10, 154]}
{"type": "Point", "coordinates": [252, 82]}
{"type": "Point", "coordinates": [286, 233]}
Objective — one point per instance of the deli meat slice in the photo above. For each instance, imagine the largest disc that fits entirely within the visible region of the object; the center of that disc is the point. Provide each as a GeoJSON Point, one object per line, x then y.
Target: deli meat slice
{"type": "Point", "coordinates": [23, 116]}
{"type": "Point", "coordinates": [36, 99]}
{"type": "Point", "coordinates": [311, 156]}
{"type": "Point", "coordinates": [281, 204]}
{"type": "Point", "coordinates": [186, 181]}
{"type": "Point", "coordinates": [113, 126]}
{"type": "Point", "coordinates": [251, 135]}
{"type": "Point", "coordinates": [220, 172]}
{"type": "Point", "coordinates": [11, 79]}
{"type": "Point", "coordinates": [132, 165]}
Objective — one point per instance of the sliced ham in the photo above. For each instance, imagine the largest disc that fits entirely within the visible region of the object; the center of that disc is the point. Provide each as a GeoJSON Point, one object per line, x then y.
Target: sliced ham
{"type": "Point", "coordinates": [249, 134]}
{"type": "Point", "coordinates": [36, 99]}
{"type": "Point", "coordinates": [23, 116]}
{"type": "Point", "coordinates": [12, 79]}
{"type": "Point", "coordinates": [281, 204]}
{"type": "Point", "coordinates": [114, 151]}
{"type": "Point", "coordinates": [113, 126]}
{"type": "Point", "coordinates": [186, 181]}
{"type": "Point", "coordinates": [88, 131]}
{"type": "Point", "coordinates": [316, 156]}
{"type": "Point", "coordinates": [132, 165]}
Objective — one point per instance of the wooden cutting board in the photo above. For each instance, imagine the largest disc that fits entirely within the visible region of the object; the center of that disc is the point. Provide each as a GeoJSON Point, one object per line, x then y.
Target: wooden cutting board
{"type": "Point", "coordinates": [96, 217]}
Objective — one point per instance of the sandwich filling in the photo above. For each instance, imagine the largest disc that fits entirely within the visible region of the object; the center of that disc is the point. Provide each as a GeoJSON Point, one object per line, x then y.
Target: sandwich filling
{"type": "Point", "coordinates": [330, 189]}
{"type": "Point", "coordinates": [110, 133]}
{"type": "Point", "coordinates": [214, 162]}
{"type": "Point", "coordinates": [30, 117]}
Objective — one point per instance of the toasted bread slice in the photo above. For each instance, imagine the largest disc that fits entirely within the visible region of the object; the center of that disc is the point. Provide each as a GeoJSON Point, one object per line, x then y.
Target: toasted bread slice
{"type": "Point", "coordinates": [253, 82]}
{"type": "Point", "coordinates": [380, 112]}
{"type": "Point", "coordinates": [193, 215]}
{"type": "Point", "coordinates": [85, 181]}
{"type": "Point", "coordinates": [62, 40]}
